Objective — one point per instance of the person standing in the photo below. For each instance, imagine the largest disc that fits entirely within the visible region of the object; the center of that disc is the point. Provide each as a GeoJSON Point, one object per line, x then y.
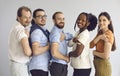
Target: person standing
{"type": "Point", "coordinates": [58, 41]}
{"type": "Point", "coordinates": [19, 49]}
{"type": "Point", "coordinates": [104, 43]}
{"type": "Point", "coordinates": [80, 54]}
{"type": "Point", "coordinates": [39, 40]}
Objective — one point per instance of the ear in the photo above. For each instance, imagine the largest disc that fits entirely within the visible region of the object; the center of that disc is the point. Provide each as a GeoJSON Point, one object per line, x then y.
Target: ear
{"type": "Point", "coordinates": [18, 18]}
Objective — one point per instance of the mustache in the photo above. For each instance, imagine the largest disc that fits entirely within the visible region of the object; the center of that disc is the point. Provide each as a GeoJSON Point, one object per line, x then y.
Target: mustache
{"type": "Point", "coordinates": [61, 23]}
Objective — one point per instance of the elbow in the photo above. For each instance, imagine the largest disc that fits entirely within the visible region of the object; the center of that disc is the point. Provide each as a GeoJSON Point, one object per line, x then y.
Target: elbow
{"type": "Point", "coordinates": [92, 44]}
{"type": "Point", "coordinates": [106, 56]}
{"type": "Point", "coordinates": [28, 53]}
{"type": "Point", "coordinates": [54, 55]}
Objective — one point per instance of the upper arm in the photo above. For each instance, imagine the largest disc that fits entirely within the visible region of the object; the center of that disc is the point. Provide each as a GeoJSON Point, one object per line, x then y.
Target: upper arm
{"type": "Point", "coordinates": [83, 40]}
{"type": "Point", "coordinates": [94, 41]}
{"type": "Point", "coordinates": [23, 39]}
{"type": "Point", "coordinates": [108, 43]}
{"type": "Point", "coordinates": [54, 47]}
{"type": "Point", "coordinates": [55, 40]}
{"type": "Point", "coordinates": [79, 48]}
{"type": "Point", "coordinates": [26, 47]}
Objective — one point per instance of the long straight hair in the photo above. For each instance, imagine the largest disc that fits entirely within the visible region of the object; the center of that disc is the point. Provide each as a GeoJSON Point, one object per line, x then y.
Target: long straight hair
{"type": "Point", "coordinates": [110, 27]}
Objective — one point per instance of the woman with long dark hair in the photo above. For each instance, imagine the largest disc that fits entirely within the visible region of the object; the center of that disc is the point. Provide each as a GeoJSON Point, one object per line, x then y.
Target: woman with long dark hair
{"type": "Point", "coordinates": [104, 43]}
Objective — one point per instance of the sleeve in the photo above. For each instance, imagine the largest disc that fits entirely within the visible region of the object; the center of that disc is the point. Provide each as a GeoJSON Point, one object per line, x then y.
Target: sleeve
{"type": "Point", "coordinates": [68, 36]}
{"type": "Point", "coordinates": [83, 38]}
{"type": "Point", "coordinates": [71, 43]}
{"type": "Point", "coordinates": [20, 33]}
{"type": "Point", "coordinates": [110, 37]}
{"type": "Point", "coordinates": [55, 37]}
{"type": "Point", "coordinates": [36, 35]}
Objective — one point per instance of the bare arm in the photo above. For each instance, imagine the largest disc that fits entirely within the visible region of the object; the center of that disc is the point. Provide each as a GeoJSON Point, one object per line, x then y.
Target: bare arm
{"type": "Point", "coordinates": [57, 54]}
{"type": "Point", "coordinates": [38, 49]}
{"type": "Point", "coordinates": [77, 51]}
{"type": "Point", "coordinates": [26, 47]}
{"type": "Point", "coordinates": [106, 53]}
{"type": "Point", "coordinates": [96, 39]}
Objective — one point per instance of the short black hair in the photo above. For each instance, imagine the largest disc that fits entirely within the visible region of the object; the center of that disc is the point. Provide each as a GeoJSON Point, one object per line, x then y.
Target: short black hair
{"type": "Point", "coordinates": [34, 14]}
{"type": "Point", "coordinates": [35, 11]}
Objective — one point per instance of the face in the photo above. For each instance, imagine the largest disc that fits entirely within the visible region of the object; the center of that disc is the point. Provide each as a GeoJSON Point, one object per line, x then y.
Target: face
{"type": "Point", "coordinates": [59, 20]}
{"type": "Point", "coordinates": [82, 21]}
{"type": "Point", "coordinates": [25, 19]}
{"type": "Point", "coordinates": [103, 22]}
{"type": "Point", "coordinates": [40, 18]}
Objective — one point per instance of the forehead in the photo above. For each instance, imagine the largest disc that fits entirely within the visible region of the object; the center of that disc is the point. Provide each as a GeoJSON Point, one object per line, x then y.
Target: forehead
{"type": "Point", "coordinates": [102, 17]}
{"type": "Point", "coordinates": [59, 15]}
{"type": "Point", "coordinates": [40, 13]}
{"type": "Point", "coordinates": [82, 16]}
{"type": "Point", "coordinates": [26, 13]}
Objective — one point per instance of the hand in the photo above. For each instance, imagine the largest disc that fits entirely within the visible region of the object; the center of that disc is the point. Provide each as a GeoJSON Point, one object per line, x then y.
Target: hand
{"type": "Point", "coordinates": [62, 37]}
{"type": "Point", "coordinates": [67, 59]}
{"type": "Point", "coordinates": [75, 39]}
{"type": "Point", "coordinates": [27, 32]}
{"type": "Point", "coordinates": [103, 37]}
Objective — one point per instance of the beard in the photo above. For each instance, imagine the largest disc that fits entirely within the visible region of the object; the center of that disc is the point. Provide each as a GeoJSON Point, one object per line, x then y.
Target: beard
{"type": "Point", "coordinates": [60, 25]}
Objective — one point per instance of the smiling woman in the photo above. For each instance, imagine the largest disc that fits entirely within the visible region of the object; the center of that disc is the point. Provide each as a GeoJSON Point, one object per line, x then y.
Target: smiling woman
{"type": "Point", "coordinates": [71, 9]}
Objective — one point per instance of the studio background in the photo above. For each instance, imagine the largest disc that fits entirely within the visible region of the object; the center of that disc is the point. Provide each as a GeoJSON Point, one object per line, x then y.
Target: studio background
{"type": "Point", "coordinates": [71, 9]}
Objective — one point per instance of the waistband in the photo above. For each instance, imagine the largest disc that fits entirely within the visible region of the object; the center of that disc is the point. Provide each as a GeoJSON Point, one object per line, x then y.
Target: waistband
{"type": "Point", "coordinates": [96, 57]}
{"type": "Point", "coordinates": [55, 63]}
{"type": "Point", "coordinates": [18, 62]}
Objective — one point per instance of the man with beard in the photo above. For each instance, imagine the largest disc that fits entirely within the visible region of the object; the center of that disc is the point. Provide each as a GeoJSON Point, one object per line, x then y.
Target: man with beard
{"type": "Point", "coordinates": [39, 41]}
{"type": "Point", "coordinates": [58, 40]}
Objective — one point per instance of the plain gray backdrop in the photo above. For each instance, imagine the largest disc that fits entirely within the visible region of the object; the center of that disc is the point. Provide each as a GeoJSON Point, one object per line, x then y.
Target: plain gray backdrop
{"type": "Point", "coordinates": [71, 9]}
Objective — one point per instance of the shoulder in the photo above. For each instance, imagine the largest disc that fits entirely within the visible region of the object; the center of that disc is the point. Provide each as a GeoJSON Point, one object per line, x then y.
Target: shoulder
{"type": "Point", "coordinates": [85, 33]}
{"type": "Point", "coordinates": [109, 35]}
{"type": "Point", "coordinates": [37, 32]}
{"type": "Point", "coordinates": [18, 26]}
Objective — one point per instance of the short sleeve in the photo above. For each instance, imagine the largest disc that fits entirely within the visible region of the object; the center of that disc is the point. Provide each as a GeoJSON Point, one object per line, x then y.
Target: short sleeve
{"type": "Point", "coordinates": [68, 36]}
{"type": "Point", "coordinates": [36, 35]}
{"type": "Point", "coordinates": [55, 37]}
{"type": "Point", "coordinates": [109, 36]}
{"type": "Point", "coordinates": [83, 38]}
{"type": "Point", "coordinates": [20, 33]}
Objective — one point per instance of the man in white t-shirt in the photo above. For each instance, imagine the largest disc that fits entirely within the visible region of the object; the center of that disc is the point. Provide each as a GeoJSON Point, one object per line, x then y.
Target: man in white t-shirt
{"type": "Point", "coordinates": [19, 49]}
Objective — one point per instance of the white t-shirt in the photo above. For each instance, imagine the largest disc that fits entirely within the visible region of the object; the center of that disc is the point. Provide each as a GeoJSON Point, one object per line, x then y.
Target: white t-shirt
{"type": "Point", "coordinates": [16, 52]}
{"type": "Point", "coordinates": [83, 60]}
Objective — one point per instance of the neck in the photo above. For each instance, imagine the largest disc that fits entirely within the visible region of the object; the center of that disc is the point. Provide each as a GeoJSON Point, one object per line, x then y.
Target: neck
{"type": "Point", "coordinates": [101, 31]}
{"type": "Point", "coordinates": [104, 30]}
